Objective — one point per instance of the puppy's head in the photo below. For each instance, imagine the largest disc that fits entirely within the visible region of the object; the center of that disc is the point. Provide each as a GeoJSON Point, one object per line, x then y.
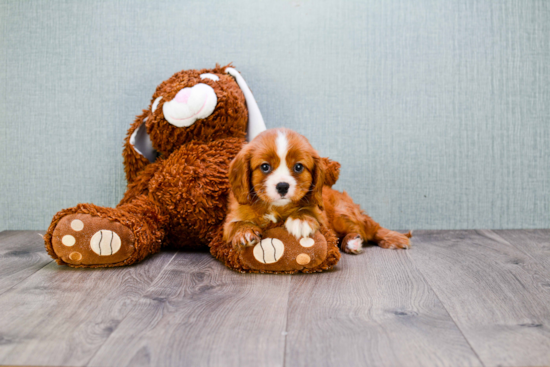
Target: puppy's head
{"type": "Point", "coordinates": [278, 167]}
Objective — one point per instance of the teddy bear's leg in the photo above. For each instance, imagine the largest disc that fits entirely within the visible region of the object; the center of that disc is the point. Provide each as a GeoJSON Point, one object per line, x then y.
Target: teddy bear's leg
{"type": "Point", "coordinates": [280, 252]}
{"type": "Point", "coordinates": [92, 236]}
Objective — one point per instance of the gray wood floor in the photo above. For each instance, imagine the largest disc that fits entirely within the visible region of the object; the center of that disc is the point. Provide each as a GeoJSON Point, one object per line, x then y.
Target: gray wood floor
{"type": "Point", "coordinates": [458, 298]}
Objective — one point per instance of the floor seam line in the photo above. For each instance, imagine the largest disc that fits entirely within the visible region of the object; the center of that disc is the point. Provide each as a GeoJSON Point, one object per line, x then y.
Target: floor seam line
{"type": "Point", "coordinates": [286, 320]}
{"type": "Point", "coordinates": [446, 310]}
{"type": "Point", "coordinates": [517, 248]}
{"type": "Point", "coordinates": [22, 280]}
{"type": "Point", "coordinates": [130, 310]}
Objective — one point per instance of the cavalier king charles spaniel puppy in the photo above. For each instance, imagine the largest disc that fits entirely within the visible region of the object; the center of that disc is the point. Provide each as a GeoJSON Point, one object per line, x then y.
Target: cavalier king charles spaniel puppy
{"type": "Point", "coordinates": [279, 177]}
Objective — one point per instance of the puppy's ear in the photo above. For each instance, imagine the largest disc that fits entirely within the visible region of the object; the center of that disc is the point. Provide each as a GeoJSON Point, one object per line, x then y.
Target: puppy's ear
{"type": "Point", "coordinates": [239, 176]}
{"type": "Point", "coordinates": [318, 182]}
{"type": "Point", "coordinates": [332, 171]}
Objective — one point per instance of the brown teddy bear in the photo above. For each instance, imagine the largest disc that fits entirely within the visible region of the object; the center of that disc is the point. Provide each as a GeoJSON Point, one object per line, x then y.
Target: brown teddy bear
{"type": "Point", "coordinates": [176, 158]}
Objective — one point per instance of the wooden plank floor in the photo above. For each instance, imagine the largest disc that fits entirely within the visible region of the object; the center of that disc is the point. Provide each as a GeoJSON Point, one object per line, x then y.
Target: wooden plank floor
{"type": "Point", "coordinates": [457, 298]}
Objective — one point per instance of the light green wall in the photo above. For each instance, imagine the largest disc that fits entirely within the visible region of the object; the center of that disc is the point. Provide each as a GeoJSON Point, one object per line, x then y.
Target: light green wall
{"type": "Point", "coordinates": [439, 111]}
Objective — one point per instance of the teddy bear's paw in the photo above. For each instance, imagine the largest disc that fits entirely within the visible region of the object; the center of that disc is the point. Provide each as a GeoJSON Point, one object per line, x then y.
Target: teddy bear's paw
{"type": "Point", "coordinates": [352, 244]}
{"type": "Point", "coordinates": [280, 251]}
{"type": "Point", "coordinates": [82, 239]}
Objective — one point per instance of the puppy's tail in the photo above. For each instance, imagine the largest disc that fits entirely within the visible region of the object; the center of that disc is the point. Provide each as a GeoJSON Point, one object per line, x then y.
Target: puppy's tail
{"type": "Point", "coordinates": [369, 228]}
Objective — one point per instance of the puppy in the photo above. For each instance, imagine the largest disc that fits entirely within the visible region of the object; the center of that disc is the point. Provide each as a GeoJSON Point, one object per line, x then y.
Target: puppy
{"type": "Point", "coordinates": [279, 177]}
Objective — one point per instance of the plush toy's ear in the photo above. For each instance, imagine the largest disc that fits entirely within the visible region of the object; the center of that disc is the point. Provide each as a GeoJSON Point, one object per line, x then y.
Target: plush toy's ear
{"type": "Point", "coordinates": [317, 183]}
{"type": "Point", "coordinates": [134, 146]}
{"type": "Point", "coordinates": [239, 176]}
{"type": "Point", "coordinates": [142, 144]}
{"type": "Point", "coordinates": [256, 123]}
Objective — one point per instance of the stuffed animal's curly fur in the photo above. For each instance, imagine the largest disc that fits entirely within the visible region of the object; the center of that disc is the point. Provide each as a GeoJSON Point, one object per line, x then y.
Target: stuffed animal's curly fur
{"type": "Point", "coordinates": [176, 198]}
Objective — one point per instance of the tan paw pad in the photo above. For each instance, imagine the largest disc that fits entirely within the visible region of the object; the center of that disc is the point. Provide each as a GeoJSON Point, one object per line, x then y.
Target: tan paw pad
{"type": "Point", "coordinates": [77, 225]}
{"type": "Point", "coordinates": [75, 256]}
{"type": "Point", "coordinates": [303, 259]}
{"type": "Point", "coordinates": [105, 243]}
{"type": "Point", "coordinates": [68, 240]}
{"type": "Point", "coordinates": [269, 250]}
{"type": "Point", "coordinates": [307, 242]}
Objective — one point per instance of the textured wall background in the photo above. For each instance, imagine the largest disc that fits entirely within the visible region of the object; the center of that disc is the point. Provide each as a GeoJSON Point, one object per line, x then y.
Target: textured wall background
{"type": "Point", "coordinates": [439, 111]}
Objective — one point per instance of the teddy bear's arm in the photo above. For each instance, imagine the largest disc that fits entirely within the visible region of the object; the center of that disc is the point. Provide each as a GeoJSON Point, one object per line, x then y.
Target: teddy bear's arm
{"type": "Point", "coordinates": [134, 162]}
{"type": "Point", "coordinates": [140, 184]}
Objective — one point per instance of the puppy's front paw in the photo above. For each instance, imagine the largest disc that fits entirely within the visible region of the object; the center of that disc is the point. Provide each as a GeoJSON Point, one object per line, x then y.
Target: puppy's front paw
{"type": "Point", "coordinates": [301, 227]}
{"type": "Point", "coordinates": [247, 235]}
{"type": "Point", "coordinates": [393, 240]}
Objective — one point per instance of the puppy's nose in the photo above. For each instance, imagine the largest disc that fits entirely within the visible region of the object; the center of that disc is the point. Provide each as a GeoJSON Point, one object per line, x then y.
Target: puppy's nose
{"type": "Point", "coordinates": [282, 188]}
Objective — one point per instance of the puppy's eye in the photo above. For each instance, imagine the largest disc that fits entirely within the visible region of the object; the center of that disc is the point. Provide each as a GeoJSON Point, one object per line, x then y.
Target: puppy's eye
{"type": "Point", "coordinates": [298, 168]}
{"type": "Point", "coordinates": [265, 168]}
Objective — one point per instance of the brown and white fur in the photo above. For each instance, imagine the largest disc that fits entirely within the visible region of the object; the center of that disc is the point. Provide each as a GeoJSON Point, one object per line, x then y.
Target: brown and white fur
{"type": "Point", "coordinates": [278, 177]}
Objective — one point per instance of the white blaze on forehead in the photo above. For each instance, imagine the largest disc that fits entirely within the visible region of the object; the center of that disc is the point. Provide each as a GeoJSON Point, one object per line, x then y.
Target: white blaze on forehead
{"type": "Point", "coordinates": [281, 174]}
{"type": "Point", "coordinates": [282, 145]}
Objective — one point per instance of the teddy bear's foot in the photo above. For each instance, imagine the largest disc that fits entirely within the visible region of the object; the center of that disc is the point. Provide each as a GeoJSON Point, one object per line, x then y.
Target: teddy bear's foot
{"type": "Point", "coordinates": [279, 251]}
{"type": "Point", "coordinates": [83, 239]}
